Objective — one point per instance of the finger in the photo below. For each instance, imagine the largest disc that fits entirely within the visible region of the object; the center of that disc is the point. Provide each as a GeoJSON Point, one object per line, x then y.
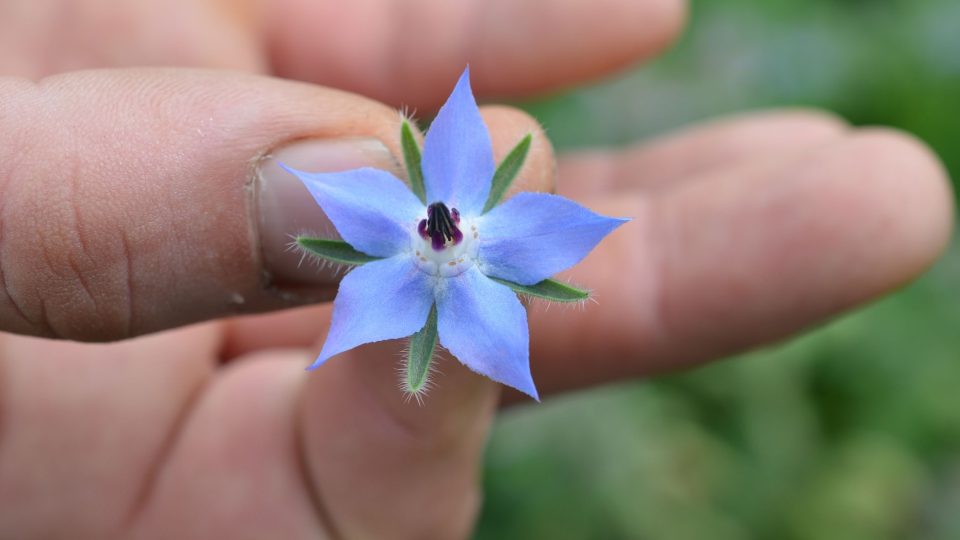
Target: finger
{"type": "Point", "coordinates": [235, 468]}
{"type": "Point", "coordinates": [405, 52]}
{"type": "Point", "coordinates": [301, 328]}
{"type": "Point", "coordinates": [137, 200]}
{"type": "Point", "coordinates": [747, 255]}
{"type": "Point", "coordinates": [43, 38]}
{"type": "Point", "coordinates": [84, 422]}
{"type": "Point", "coordinates": [664, 161]}
{"type": "Point", "coordinates": [383, 466]}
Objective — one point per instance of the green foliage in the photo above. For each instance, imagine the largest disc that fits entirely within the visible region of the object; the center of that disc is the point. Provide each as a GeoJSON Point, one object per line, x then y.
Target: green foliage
{"type": "Point", "coordinates": [850, 432]}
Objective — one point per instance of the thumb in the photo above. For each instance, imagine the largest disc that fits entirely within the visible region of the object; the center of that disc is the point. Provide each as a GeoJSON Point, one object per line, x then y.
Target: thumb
{"type": "Point", "coordinates": [138, 200]}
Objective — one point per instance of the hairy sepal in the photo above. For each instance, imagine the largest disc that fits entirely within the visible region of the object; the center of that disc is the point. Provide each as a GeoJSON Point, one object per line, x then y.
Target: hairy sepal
{"type": "Point", "coordinates": [335, 251]}
{"type": "Point", "coordinates": [507, 172]}
{"type": "Point", "coordinates": [411, 159]}
{"type": "Point", "coordinates": [548, 289]}
{"type": "Point", "coordinates": [420, 354]}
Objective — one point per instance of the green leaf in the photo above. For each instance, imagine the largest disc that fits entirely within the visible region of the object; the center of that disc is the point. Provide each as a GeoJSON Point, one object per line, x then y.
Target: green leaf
{"type": "Point", "coordinates": [548, 289]}
{"type": "Point", "coordinates": [507, 172]}
{"type": "Point", "coordinates": [411, 157]}
{"type": "Point", "coordinates": [336, 251]}
{"type": "Point", "coordinates": [422, 345]}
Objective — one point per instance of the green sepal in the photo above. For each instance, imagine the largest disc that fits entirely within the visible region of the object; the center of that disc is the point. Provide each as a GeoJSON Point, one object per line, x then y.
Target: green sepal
{"type": "Point", "coordinates": [411, 158]}
{"type": "Point", "coordinates": [548, 289]}
{"type": "Point", "coordinates": [422, 345]}
{"type": "Point", "coordinates": [336, 251]}
{"type": "Point", "coordinates": [507, 171]}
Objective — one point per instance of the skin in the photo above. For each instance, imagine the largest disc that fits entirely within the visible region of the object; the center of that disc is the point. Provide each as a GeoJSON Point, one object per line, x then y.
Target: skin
{"type": "Point", "coordinates": [746, 230]}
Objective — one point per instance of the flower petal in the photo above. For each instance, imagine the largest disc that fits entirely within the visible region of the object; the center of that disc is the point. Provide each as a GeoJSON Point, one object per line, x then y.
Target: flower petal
{"type": "Point", "coordinates": [533, 236]}
{"type": "Point", "coordinates": [384, 299]}
{"type": "Point", "coordinates": [484, 325]}
{"type": "Point", "coordinates": [457, 153]}
{"type": "Point", "coordinates": [372, 209]}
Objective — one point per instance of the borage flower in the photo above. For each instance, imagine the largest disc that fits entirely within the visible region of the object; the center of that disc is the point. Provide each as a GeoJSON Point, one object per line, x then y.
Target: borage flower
{"type": "Point", "coordinates": [444, 260]}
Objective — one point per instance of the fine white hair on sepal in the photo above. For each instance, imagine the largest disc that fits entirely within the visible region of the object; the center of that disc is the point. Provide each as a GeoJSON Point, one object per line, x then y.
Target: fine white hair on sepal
{"type": "Point", "coordinates": [429, 382]}
{"type": "Point", "coordinates": [408, 114]}
{"type": "Point", "coordinates": [547, 305]}
{"type": "Point", "coordinates": [327, 231]}
{"type": "Point", "coordinates": [409, 394]}
{"type": "Point", "coordinates": [536, 302]}
{"type": "Point", "coordinates": [320, 263]}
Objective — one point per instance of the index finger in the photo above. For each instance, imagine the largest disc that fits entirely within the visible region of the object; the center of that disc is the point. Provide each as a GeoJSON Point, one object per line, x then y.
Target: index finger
{"type": "Point", "coordinates": [746, 255]}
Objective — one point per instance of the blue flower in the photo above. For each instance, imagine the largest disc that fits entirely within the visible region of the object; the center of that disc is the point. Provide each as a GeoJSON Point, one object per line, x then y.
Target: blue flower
{"type": "Point", "coordinates": [444, 254]}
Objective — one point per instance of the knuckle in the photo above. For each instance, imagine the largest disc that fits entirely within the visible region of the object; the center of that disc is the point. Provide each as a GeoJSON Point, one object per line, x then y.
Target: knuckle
{"type": "Point", "coordinates": [60, 275]}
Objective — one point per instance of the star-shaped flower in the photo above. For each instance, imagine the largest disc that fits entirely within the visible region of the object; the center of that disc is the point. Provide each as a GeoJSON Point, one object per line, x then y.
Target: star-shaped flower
{"type": "Point", "coordinates": [445, 262]}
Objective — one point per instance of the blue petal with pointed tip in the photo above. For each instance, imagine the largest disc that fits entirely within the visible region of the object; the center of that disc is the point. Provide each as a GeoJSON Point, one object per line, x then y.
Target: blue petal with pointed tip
{"type": "Point", "coordinates": [457, 154]}
{"type": "Point", "coordinates": [372, 209]}
{"type": "Point", "coordinates": [386, 299]}
{"type": "Point", "coordinates": [533, 236]}
{"type": "Point", "coordinates": [483, 324]}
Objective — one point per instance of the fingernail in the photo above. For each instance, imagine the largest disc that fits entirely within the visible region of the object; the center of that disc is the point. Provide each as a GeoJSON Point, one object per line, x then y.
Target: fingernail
{"type": "Point", "coordinates": [286, 209]}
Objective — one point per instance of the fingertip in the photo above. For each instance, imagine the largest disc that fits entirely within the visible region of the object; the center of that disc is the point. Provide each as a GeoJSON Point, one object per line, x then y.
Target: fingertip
{"type": "Point", "coordinates": [568, 43]}
{"type": "Point", "coordinates": [906, 197]}
{"type": "Point", "coordinates": [668, 17]}
{"type": "Point", "coordinates": [143, 203]}
{"type": "Point", "coordinates": [799, 240]}
{"type": "Point", "coordinates": [437, 444]}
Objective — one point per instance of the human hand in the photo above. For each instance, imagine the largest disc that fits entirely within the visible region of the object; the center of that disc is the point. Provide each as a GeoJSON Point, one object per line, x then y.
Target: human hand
{"type": "Point", "coordinates": [216, 431]}
{"type": "Point", "coordinates": [402, 53]}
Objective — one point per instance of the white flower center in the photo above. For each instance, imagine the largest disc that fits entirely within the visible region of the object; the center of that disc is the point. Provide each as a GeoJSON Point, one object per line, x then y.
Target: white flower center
{"type": "Point", "coordinates": [437, 249]}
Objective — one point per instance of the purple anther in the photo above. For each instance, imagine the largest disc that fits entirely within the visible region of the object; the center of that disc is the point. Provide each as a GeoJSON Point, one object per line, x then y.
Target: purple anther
{"type": "Point", "coordinates": [441, 226]}
{"type": "Point", "coordinates": [437, 241]}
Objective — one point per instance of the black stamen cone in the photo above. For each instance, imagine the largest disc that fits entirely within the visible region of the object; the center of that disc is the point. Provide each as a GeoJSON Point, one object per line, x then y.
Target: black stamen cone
{"type": "Point", "coordinates": [441, 226]}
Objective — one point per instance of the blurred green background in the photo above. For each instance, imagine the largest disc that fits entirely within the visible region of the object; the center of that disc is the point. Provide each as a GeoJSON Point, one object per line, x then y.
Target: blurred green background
{"type": "Point", "coordinates": [851, 432]}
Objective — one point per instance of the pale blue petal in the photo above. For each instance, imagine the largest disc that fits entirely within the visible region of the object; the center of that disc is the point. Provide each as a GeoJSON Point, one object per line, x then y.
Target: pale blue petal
{"type": "Point", "coordinates": [372, 209]}
{"type": "Point", "coordinates": [533, 236]}
{"type": "Point", "coordinates": [483, 324]}
{"type": "Point", "coordinates": [386, 299]}
{"type": "Point", "coordinates": [457, 155]}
